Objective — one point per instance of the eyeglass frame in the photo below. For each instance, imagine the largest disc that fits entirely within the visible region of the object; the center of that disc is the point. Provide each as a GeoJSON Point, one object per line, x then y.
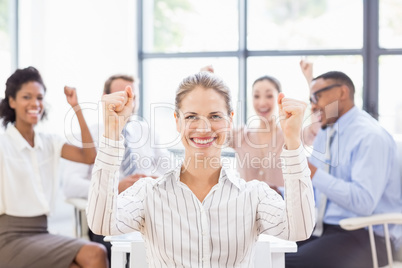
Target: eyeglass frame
{"type": "Point", "coordinates": [313, 96]}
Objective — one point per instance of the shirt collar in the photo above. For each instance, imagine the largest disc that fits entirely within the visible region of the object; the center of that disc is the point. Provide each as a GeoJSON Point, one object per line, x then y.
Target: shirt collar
{"type": "Point", "coordinates": [344, 120]}
{"type": "Point", "coordinates": [19, 142]}
{"type": "Point", "coordinates": [226, 174]}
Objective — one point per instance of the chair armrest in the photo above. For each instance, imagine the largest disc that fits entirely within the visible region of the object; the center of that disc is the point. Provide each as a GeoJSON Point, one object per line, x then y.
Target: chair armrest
{"type": "Point", "coordinates": [361, 222]}
{"type": "Point", "coordinates": [79, 203]}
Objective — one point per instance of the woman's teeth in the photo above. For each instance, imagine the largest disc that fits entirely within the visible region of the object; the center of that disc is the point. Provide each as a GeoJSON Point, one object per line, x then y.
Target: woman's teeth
{"type": "Point", "coordinates": [203, 141]}
{"type": "Point", "coordinates": [33, 111]}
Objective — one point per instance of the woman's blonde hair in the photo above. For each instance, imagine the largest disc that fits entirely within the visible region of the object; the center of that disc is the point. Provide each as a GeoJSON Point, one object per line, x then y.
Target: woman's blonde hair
{"type": "Point", "coordinates": [206, 80]}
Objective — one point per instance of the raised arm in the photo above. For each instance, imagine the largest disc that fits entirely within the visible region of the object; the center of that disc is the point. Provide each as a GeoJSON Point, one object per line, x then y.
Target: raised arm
{"type": "Point", "coordinates": [87, 153]}
{"type": "Point", "coordinates": [310, 131]}
{"type": "Point", "coordinates": [307, 70]}
{"type": "Point", "coordinates": [102, 213]}
{"type": "Point", "coordinates": [299, 198]}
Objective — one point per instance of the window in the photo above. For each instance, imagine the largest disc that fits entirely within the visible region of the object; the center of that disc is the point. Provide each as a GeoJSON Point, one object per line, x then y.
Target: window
{"type": "Point", "coordinates": [190, 26]}
{"type": "Point", "coordinates": [7, 41]}
{"type": "Point", "coordinates": [304, 24]}
{"type": "Point", "coordinates": [389, 64]}
{"type": "Point", "coordinates": [244, 40]}
{"type": "Point", "coordinates": [390, 24]}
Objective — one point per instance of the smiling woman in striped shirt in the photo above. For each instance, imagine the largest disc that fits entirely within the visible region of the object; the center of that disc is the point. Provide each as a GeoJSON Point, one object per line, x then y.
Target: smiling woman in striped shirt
{"type": "Point", "coordinates": [200, 214]}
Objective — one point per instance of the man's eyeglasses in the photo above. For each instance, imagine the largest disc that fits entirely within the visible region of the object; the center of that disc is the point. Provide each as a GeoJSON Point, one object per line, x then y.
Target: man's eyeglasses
{"type": "Point", "coordinates": [314, 98]}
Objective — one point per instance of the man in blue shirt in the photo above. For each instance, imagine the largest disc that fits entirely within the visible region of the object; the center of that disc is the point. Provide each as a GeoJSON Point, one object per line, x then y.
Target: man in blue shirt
{"type": "Point", "coordinates": [357, 176]}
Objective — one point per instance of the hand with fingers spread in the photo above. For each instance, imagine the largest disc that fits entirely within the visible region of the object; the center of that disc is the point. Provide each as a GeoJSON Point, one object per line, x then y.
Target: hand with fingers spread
{"type": "Point", "coordinates": [117, 107]}
{"type": "Point", "coordinates": [291, 113]}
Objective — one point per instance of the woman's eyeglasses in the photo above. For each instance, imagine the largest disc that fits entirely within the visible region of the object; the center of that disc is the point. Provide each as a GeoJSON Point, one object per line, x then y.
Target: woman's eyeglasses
{"type": "Point", "coordinates": [314, 98]}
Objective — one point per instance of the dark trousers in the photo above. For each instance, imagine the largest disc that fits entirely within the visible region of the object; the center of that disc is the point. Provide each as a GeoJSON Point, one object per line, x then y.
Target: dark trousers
{"type": "Point", "coordinates": [337, 248]}
{"type": "Point", "coordinates": [99, 239]}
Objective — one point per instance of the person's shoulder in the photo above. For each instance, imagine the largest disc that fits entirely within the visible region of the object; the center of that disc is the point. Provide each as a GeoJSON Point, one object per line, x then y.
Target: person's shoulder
{"type": "Point", "coordinates": [369, 126]}
{"type": "Point", "coordinates": [4, 138]}
{"type": "Point", "coordinates": [51, 141]}
{"type": "Point", "coordinates": [234, 176]}
{"type": "Point", "coordinates": [162, 181]}
{"type": "Point", "coordinates": [367, 130]}
{"type": "Point", "coordinates": [256, 183]}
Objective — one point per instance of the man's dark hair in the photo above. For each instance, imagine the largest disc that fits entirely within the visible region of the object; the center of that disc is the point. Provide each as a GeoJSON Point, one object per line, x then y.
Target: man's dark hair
{"type": "Point", "coordinates": [108, 83]}
{"type": "Point", "coordinates": [339, 77]}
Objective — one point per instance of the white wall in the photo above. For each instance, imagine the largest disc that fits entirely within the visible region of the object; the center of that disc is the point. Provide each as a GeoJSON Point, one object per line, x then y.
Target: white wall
{"type": "Point", "coordinates": [78, 43]}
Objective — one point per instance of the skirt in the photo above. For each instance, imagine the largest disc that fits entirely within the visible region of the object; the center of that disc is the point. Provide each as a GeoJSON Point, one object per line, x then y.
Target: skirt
{"type": "Point", "coordinates": [26, 243]}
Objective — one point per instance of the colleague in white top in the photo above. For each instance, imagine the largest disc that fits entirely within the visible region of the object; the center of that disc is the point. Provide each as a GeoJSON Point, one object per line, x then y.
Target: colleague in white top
{"type": "Point", "coordinates": [29, 180]}
{"type": "Point", "coordinates": [201, 213]}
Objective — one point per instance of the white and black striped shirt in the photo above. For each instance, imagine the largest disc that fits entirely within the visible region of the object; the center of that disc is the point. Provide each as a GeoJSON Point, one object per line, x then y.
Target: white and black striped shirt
{"type": "Point", "coordinates": [180, 231]}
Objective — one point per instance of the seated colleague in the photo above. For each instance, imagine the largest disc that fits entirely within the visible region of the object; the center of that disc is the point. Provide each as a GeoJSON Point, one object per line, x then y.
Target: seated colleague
{"type": "Point", "coordinates": [200, 213]}
{"type": "Point", "coordinates": [141, 158]}
{"type": "Point", "coordinates": [363, 179]}
{"type": "Point", "coordinates": [29, 180]}
{"type": "Point", "coordinates": [258, 148]}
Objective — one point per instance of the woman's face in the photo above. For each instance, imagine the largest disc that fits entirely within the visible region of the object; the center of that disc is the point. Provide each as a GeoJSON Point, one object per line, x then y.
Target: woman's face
{"type": "Point", "coordinates": [265, 96]}
{"type": "Point", "coordinates": [203, 122]}
{"type": "Point", "coordinates": [28, 103]}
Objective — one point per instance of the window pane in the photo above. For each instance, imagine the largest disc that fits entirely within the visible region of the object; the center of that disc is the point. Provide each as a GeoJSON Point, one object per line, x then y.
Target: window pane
{"type": "Point", "coordinates": [390, 23]}
{"type": "Point", "coordinates": [190, 25]}
{"type": "Point", "coordinates": [390, 104]}
{"type": "Point", "coordinates": [161, 79]}
{"type": "Point", "coordinates": [294, 85]}
{"type": "Point", "coordinates": [304, 24]}
{"type": "Point", "coordinates": [5, 43]}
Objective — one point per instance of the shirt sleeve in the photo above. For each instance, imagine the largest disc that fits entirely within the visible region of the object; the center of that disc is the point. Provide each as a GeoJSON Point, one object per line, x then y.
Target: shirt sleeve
{"type": "Point", "coordinates": [294, 218]}
{"type": "Point", "coordinates": [107, 212]}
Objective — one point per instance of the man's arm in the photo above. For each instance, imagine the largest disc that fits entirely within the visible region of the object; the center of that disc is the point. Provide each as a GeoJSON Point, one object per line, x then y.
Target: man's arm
{"type": "Point", "coordinates": [364, 180]}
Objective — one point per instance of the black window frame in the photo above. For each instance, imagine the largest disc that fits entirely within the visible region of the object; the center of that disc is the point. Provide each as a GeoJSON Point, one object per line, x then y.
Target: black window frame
{"type": "Point", "coordinates": [370, 53]}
